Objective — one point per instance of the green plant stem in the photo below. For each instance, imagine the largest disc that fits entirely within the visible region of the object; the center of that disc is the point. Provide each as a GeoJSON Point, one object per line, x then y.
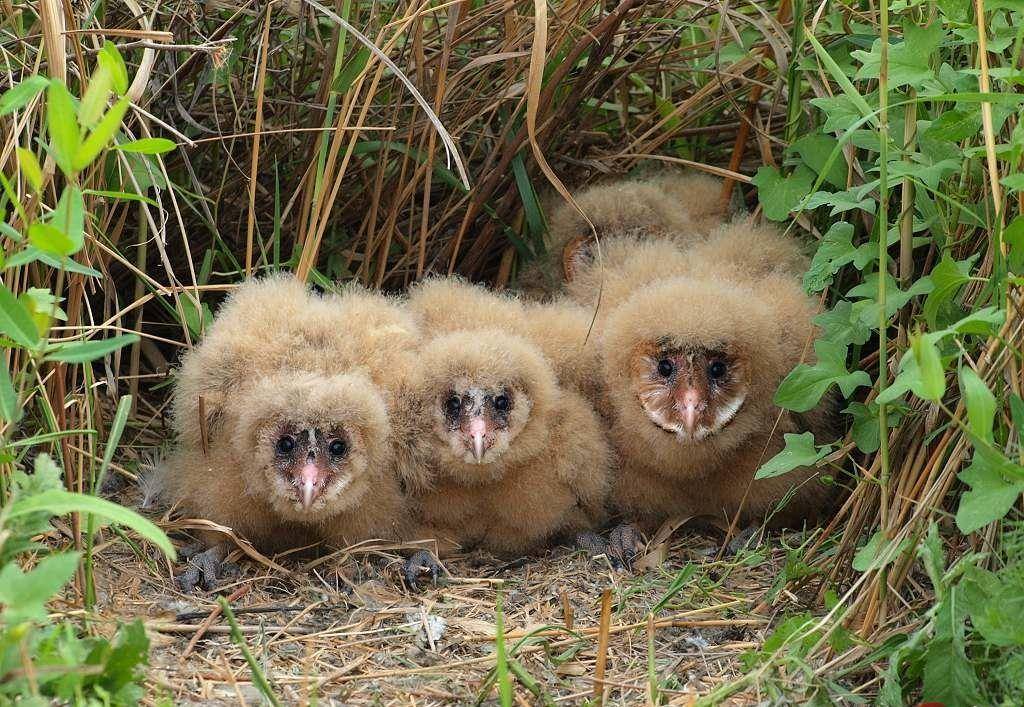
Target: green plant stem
{"type": "Point", "coordinates": [258, 678]}
{"type": "Point", "coordinates": [883, 258]}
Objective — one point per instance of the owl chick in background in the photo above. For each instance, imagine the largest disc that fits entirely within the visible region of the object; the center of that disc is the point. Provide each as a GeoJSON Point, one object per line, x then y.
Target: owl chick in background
{"type": "Point", "coordinates": [672, 206]}
{"type": "Point", "coordinates": [501, 456]}
{"type": "Point", "coordinates": [697, 328]}
{"type": "Point", "coordinates": [284, 435]}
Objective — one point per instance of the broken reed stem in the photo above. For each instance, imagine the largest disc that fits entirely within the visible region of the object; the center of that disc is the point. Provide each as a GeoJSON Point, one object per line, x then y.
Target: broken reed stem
{"type": "Point", "coordinates": [261, 83]}
{"type": "Point", "coordinates": [602, 645]}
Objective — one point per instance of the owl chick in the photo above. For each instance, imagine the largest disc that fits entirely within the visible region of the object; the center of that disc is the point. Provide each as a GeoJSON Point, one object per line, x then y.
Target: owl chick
{"type": "Point", "coordinates": [500, 457]}
{"type": "Point", "coordinates": [283, 434]}
{"type": "Point", "coordinates": [691, 366]}
{"type": "Point", "coordinates": [676, 206]}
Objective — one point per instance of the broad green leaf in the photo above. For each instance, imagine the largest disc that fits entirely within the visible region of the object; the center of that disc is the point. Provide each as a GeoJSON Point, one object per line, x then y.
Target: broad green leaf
{"type": "Point", "coordinates": [52, 240]}
{"type": "Point", "coordinates": [991, 495]}
{"type": "Point", "coordinates": [995, 602]}
{"type": "Point", "coordinates": [19, 95]}
{"type": "Point", "coordinates": [780, 195]}
{"type": "Point", "coordinates": [949, 677]}
{"type": "Point", "coordinates": [62, 125]}
{"type": "Point", "coordinates": [1014, 182]}
{"type": "Point", "coordinates": [877, 552]}
{"type": "Point", "coordinates": [849, 90]}
{"type": "Point", "coordinates": [980, 402]}
{"type": "Point", "coordinates": [30, 168]}
{"type": "Point", "coordinates": [816, 150]}
{"type": "Point", "coordinates": [101, 135]}
{"type": "Point", "coordinates": [840, 112]}
{"type": "Point", "coordinates": [9, 408]}
{"type": "Point", "coordinates": [909, 61]}
{"type": "Point", "coordinates": [25, 594]}
{"type": "Point", "coordinates": [351, 70]}
{"type": "Point", "coordinates": [955, 125]}
{"type": "Point", "coordinates": [948, 277]}
{"type": "Point", "coordinates": [69, 217]}
{"type": "Point", "coordinates": [986, 321]}
{"type": "Point", "coordinates": [835, 250]}
{"type": "Point", "coordinates": [864, 429]}
{"type": "Point", "coordinates": [85, 351]}
{"type": "Point", "coordinates": [148, 146]}
{"type": "Point", "coordinates": [930, 381]}
{"type": "Point", "coordinates": [843, 325]}
{"type": "Point", "coordinates": [16, 321]}
{"type": "Point", "coordinates": [802, 389]}
{"type": "Point", "coordinates": [799, 451]}
{"type": "Point", "coordinates": [841, 201]}
{"type": "Point", "coordinates": [111, 60]}
{"type": "Point", "coordinates": [59, 502]}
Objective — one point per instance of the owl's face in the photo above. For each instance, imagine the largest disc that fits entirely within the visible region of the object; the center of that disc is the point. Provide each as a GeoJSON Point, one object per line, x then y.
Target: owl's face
{"type": "Point", "coordinates": [692, 392]}
{"type": "Point", "coordinates": [477, 422]}
{"type": "Point", "coordinates": [309, 463]}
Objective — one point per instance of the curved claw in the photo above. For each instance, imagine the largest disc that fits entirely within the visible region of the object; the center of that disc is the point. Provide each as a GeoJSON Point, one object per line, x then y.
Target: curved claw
{"type": "Point", "coordinates": [203, 569]}
{"type": "Point", "coordinates": [421, 562]}
{"type": "Point", "coordinates": [623, 546]}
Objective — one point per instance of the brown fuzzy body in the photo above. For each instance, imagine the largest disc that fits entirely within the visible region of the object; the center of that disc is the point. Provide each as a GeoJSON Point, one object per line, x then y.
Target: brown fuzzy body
{"type": "Point", "coordinates": [277, 353]}
{"type": "Point", "coordinates": [549, 478]}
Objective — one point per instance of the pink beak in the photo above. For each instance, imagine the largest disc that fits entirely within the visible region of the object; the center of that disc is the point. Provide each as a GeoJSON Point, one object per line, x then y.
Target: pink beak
{"type": "Point", "coordinates": [478, 429]}
{"type": "Point", "coordinates": [309, 481]}
{"type": "Point", "coordinates": [690, 405]}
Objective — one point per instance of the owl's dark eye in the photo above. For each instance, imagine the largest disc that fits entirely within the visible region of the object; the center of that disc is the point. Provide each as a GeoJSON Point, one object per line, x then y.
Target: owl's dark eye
{"type": "Point", "coordinates": [338, 448]}
{"type": "Point", "coordinates": [665, 368]}
{"type": "Point", "coordinates": [502, 403]}
{"type": "Point", "coordinates": [717, 370]}
{"type": "Point", "coordinates": [452, 406]}
{"type": "Point", "coordinates": [286, 444]}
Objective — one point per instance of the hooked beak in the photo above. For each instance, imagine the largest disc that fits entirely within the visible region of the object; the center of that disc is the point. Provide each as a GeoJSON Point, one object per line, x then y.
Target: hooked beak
{"type": "Point", "coordinates": [690, 405]}
{"type": "Point", "coordinates": [308, 481]}
{"type": "Point", "coordinates": [477, 429]}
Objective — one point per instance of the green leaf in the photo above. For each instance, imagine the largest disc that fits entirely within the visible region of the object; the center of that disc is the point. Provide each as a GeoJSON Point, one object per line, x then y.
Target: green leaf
{"type": "Point", "coordinates": [148, 146]}
{"type": "Point", "coordinates": [62, 125]}
{"type": "Point", "coordinates": [16, 321]}
{"type": "Point", "coordinates": [85, 351]}
{"type": "Point", "coordinates": [875, 553]}
{"type": "Point", "coordinates": [69, 217]}
{"type": "Point", "coordinates": [58, 502]}
{"type": "Point", "coordinates": [850, 92]}
{"type": "Point", "coordinates": [9, 408]}
{"type": "Point", "coordinates": [949, 676]}
{"type": "Point", "coordinates": [25, 594]}
{"type": "Point", "coordinates": [991, 495]}
{"type": "Point", "coordinates": [101, 135]}
{"type": "Point", "coordinates": [798, 452]}
{"type": "Point", "coordinates": [95, 99]}
{"type": "Point", "coordinates": [780, 195]}
{"type": "Point", "coordinates": [835, 251]}
{"type": "Point", "coordinates": [1014, 182]}
{"type": "Point", "coordinates": [1017, 413]}
{"type": "Point", "coordinates": [843, 325]}
{"type": "Point", "coordinates": [121, 195]}
{"type": "Point", "coordinates": [816, 150]}
{"type": "Point", "coordinates": [930, 381]}
{"type": "Point", "coordinates": [19, 95]}
{"type": "Point", "coordinates": [351, 70]}
{"type": "Point", "coordinates": [955, 125]}
{"type": "Point", "coordinates": [909, 61]}
{"type": "Point", "coordinates": [841, 201]}
{"type": "Point", "coordinates": [864, 429]}
{"type": "Point", "coordinates": [30, 168]}
{"type": "Point", "coordinates": [52, 240]}
{"type": "Point", "coordinates": [980, 402]}
{"type": "Point", "coordinates": [130, 653]}
{"type": "Point", "coordinates": [948, 277]}
{"type": "Point", "coordinates": [802, 389]}
{"type": "Point", "coordinates": [32, 254]}
{"type": "Point", "coordinates": [110, 59]}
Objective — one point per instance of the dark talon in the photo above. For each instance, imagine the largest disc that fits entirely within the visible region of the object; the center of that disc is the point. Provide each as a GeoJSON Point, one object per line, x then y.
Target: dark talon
{"type": "Point", "coordinates": [740, 540]}
{"type": "Point", "coordinates": [421, 562]}
{"type": "Point", "coordinates": [203, 569]}
{"type": "Point", "coordinates": [623, 546]}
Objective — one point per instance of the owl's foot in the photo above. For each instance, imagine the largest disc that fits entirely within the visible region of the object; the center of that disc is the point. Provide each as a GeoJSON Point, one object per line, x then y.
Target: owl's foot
{"type": "Point", "coordinates": [620, 548]}
{"type": "Point", "coordinates": [421, 562]}
{"type": "Point", "coordinates": [204, 568]}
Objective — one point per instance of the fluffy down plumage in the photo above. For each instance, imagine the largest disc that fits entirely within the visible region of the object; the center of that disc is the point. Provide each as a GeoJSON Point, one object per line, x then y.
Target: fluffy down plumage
{"type": "Point", "coordinates": [697, 461]}
{"type": "Point", "coordinates": [279, 360]}
{"type": "Point", "coordinates": [505, 477]}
